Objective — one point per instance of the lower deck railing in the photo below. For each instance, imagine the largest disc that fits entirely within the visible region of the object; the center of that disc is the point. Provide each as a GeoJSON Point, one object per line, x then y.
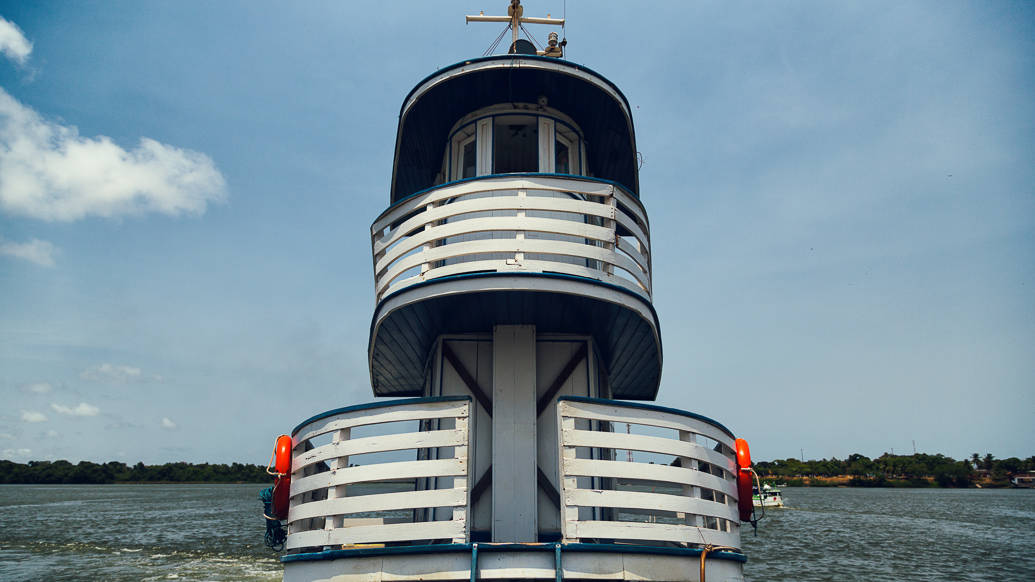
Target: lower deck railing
{"type": "Point", "coordinates": [355, 485]}
{"type": "Point", "coordinates": [690, 500]}
{"type": "Point", "coordinates": [335, 503]}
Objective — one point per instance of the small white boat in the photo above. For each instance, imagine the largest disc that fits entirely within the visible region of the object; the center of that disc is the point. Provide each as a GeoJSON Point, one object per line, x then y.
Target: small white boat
{"type": "Point", "coordinates": [769, 497]}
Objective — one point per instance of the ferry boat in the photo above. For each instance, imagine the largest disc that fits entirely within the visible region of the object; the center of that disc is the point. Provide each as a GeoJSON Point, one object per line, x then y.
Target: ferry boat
{"type": "Point", "coordinates": [513, 344]}
{"type": "Point", "coordinates": [769, 496]}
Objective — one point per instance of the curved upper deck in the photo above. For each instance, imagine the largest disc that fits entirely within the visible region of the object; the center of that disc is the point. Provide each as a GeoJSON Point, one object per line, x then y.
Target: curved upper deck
{"type": "Point", "coordinates": [514, 201]}
{"type": "Point", "coordinates": [434, 106]}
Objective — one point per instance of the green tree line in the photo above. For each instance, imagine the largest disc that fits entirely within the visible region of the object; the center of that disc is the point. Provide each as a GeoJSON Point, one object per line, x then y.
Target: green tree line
{"type": "Point", "coordinates": [86, 472]}
{"type": "Point", "coordinates": [918, 469]}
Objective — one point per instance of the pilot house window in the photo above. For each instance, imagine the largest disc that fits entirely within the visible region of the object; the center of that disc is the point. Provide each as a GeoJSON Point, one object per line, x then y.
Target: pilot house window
{"type": "Point", "coordinates": [515, 144]}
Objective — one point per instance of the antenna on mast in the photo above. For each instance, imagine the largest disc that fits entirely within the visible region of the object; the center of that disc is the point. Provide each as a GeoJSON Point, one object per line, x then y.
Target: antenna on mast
{"type": "Point", "coordinates": [515, 19]}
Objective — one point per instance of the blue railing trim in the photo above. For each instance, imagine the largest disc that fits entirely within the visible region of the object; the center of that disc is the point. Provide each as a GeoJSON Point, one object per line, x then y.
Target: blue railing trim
{"type": "Point", "coordinates": [373, 405]}
{"type": "Point", "coordinates": [489, 547]}
{"type": "Point", "coordinates": [625, 188]}
{"type": "Point", "coordinates": [654, 407]}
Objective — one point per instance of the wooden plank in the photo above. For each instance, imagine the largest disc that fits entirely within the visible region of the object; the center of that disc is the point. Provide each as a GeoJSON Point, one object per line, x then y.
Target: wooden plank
{"type": "Point", "coordinates": [650, 501]}
{"type": "Point", "coordinates": [389, 532]}
{"type": "Point", "coordinates": [624, 530]}
{"type": "Point", "coordinates": [466, 377]}
{"type": "Point", "coordinates": [380, 472]}
{"type": "Point", "coordinates": [514, 491]}
{"type": "Point", "coordinates": [618, 413]}
{"type": "Point", "coordinates": [548, 488]}
{"type": "Point", "coordinates": [569, 512]}
{"type": "Point", "coordinates": [445, 252]}
{"type": "Point", "coordinates": [575, 207]}
{"type": "Point", "coordinates": [482, 485]}
{"type": "Point", "coordinates": [642, 259]}
{"type": "Point", "coordinates": [641, 236]}
{"type": "Point", "coordinates": [507, 223]}
{"type": "Point", "coordinates": [562, 377]}
{"type": "Point", "coordinates": [526, 267]}
{"type": "Point", "coordinates": [575, 184]}
{"type": "Point", "coordinates": [396, 413]}
{"type": "Point", "coordinates": [649, 444]}
{"type": "Point", "coordinates": [646, 472]}
{"type": "Point", "coordinates": [380, 444]}
{"type": "Point", "coordinates": [633, 204]}
{"type": "Point", "coordinates": [380, 502]}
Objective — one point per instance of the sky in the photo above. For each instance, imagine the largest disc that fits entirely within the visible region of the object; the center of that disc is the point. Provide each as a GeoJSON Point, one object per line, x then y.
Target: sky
{"type": "Point", "coordinates": [841, 195]}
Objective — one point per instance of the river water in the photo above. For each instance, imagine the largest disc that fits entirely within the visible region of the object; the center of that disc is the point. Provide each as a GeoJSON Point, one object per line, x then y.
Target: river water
{"type": "Point", "coordinates": [214, 532]}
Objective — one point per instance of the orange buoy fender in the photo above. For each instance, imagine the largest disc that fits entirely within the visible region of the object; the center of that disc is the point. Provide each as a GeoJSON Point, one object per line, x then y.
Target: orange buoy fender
{"type": "Point", "coordinates": [282, 484]}
{"type": "Point", "coordinates": [744, 503]}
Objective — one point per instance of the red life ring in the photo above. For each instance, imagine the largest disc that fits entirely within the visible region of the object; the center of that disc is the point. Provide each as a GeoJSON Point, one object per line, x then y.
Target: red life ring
{"type": "Point", "coordinates": [282, 484]}
{"type": "Point", "coordinates": [744, 484]}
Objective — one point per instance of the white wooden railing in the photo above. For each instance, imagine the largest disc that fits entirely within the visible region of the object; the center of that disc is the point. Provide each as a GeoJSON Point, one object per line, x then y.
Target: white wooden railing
{"type": "Point", "coordinates": [323, 514]}
{"type": "Point", "coordinates": [691, 500]}
{"type": "Point", "coordinates": [514, 223]}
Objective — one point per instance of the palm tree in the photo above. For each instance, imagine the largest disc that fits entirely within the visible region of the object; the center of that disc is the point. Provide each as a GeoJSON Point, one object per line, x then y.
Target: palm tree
{"type": "Point", "coordinates": [975, 460]}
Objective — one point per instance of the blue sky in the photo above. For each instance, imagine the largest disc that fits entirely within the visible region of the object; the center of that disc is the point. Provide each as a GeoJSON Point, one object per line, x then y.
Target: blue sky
{"type": "Point", "coordinates": [842, 203]}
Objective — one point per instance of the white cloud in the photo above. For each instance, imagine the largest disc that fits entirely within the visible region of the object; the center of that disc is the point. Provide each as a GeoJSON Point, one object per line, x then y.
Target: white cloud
{"type": "Point", "coordinates": [13, 43]}
{"type": "Point", "coordinates": [33, 416]}
{"type": "Point", "coordinates": [17, 452]}
{"type": "Point", "coordinates": [117, 373]}
{"type": "Point", "coordinates": [39, 387]}
{"type": "Point", "coordinates": [167, 423]}
{"type": "Point", "coordinates": [52, 433]}
{"type": "Point", "coordinates": [6, 435]}
{"type": "Point", "coordinates": [36, 251]}
{"type": "Point", "coordinates": [83, 409]}
{"type": "Point", "coordinates": [49, 172]}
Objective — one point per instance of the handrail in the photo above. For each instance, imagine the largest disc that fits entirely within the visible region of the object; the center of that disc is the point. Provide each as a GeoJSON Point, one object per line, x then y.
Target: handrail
{"type": "Point", "coordinates": [434, 500]}
{"type": "Point", "coordinates": [691, 501]}
{"type": "Point", "coordinates": [538, 223]}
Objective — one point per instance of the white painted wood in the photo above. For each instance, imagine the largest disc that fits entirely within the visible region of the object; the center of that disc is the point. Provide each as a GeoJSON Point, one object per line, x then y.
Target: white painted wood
{"type": "Point", "coordinates": [514, 245]}
{"type": "Point", "coordinates": [618, 413]}
{"type": "Point", "coordinates": [514, 490]}
{"type": "Point", "coordinates": [462, 483]}
{"type": "Point", "coordinates": [401, 412]}
{"type": "Point", "coordinates": [483, 161]}
{"type": "Point", "coordinates": [624, 219]}
{"type": "Point", "coordinates": [390, 532]}
{"type": "Point", "coordinates": [380, 502]}
{"type": "Point", "coordinates": [649, 501]}
{"type": "Point", "coordinates": [379, 444]}
{"type": "Point", "coordinates": [380, 472]}
{"type": "Point", "coordinates": [574, 184]}
{"type": "Point", "coordinates": [625, 530]}
{"type": "Point", "coordinates": [651, 444]}
{"type": "Point", "coordinates": [400, 241]}
{"type": "Point", "coordinates": [526, 266]}
{"type": "Point", "coordinates": [569, 512]}
{"type": "Point", "coordinates": [458, 227]}
{"type": "Point", "coordinates": [647, 472]}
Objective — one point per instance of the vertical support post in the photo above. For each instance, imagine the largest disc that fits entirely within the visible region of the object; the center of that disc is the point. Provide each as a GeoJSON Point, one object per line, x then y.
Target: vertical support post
{"type": "Point", "coordinates": [612, 224]}
{"type": "Point", "coordinates": [566, 454]}
{"type": "Point", "coordinates": [462, 453]}
{"type": "Point", "coordinates": [514, 475]}
{"type": "Point", "coordinates": [338, 491]}
{"type": "Point", "coordinates": [520, 235]}
{"type": "Point", "coordinates": [689, 491]}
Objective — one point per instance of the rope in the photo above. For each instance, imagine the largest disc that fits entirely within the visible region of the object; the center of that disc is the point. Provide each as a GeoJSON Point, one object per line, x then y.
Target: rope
{"type": "Point", "coordinates": [711, 548]}
{"type": "Point", "coordinates": [496, 42]}
{"type": "Point", "coordinates": [530, 37]}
